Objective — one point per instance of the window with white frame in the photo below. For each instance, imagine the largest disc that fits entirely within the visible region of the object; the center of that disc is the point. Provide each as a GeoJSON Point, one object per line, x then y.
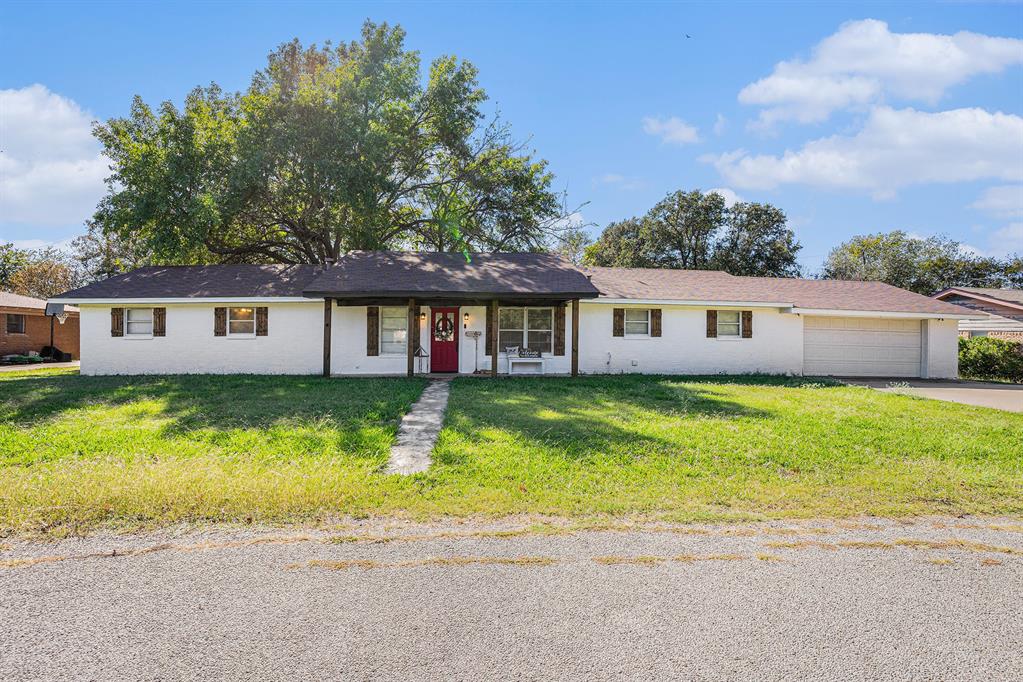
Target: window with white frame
{"type": "Point", "coordinates": [138, 321]}
{"type": "Point", "coordinates": [15, 323]}
{"type": "Point", "coordinates": [241, 321]}
{"type": "Point", "coordinates": [637, 322]}
{"type": "Point", "coordinates": [393, 331]}
{"type": "Point", "coordinates": [728, 323]}
{"type": "Point", "coordinates": [531, 328]}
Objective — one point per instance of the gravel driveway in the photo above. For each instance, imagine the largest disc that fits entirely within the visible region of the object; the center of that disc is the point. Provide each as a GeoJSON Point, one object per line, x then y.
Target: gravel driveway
{"type": "Point", "coordinates": [935, 599]}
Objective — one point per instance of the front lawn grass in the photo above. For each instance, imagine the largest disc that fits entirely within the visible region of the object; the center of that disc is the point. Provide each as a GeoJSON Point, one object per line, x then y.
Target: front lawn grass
{"type": "Point", "coordinates": [77, 452]}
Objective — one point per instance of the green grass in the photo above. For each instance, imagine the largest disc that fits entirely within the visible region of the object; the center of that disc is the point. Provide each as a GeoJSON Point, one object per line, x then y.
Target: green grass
{"type": "Point", "coordinates": [77, 452]}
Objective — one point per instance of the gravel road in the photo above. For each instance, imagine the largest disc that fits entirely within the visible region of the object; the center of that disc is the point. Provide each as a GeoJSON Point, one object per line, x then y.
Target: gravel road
{"type": "Point", "coordinates": [937, 599]}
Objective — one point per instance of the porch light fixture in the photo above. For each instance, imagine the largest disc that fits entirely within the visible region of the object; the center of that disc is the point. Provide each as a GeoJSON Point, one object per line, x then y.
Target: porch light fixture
{"type": "Point", "coordinates": [465, 320]}
{"type": "Point", "coordinates": [422, 316]}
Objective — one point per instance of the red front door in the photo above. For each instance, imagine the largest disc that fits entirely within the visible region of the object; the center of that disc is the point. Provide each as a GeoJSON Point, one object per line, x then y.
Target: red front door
{"type": "Point", "coordinates": [444, 340]}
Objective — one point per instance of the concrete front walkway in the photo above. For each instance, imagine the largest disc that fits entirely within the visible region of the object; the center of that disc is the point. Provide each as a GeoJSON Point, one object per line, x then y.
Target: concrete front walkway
{"type": "Point", "coordinates": [1007, 397]}
{"type": "Point", "coordinates": [419, 430]}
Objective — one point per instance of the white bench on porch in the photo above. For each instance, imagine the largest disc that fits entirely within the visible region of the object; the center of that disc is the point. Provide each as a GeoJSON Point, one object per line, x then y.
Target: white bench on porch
{"type": "Point", "coordinates": [538, 363]}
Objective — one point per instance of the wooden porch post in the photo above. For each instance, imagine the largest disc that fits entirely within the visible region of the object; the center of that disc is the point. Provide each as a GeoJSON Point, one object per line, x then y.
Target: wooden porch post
{"type": "Point", "coordinates": [575, 337]}
{"type": "Point", "coordinates": [327, 313]}
{"type": "Point", "coordinates": [409, 336]}
{"type": "Point", "coordinates": [493, 337]}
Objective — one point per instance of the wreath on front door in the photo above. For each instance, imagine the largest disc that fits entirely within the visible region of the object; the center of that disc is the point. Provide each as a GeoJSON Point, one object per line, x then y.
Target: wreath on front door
{"type": "Point", "coordinates": [444, 329]}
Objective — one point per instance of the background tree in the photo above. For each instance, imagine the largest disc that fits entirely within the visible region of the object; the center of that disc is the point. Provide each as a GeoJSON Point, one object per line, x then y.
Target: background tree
{"type": "Point", "coordinates": [572, 244]}
{"type": "Point", "coordinates": [329, 149]}
{"type": "Point", "coordinates": [693, 230]}
{"type": "Point", "coordinates": [99, 256]}
{"type": "Point", "coordinates": [47, 272]}
{"type": "Point", "coordinates": [756, 243]}
{"type": "Point", "coordinates": [625, 244]}
{"type": "Point", "coordinates": [921, 265]}
{"type": "Point", "coordinates": [683, 227]}
{"type": "Point", "coordinates": [12, 259]}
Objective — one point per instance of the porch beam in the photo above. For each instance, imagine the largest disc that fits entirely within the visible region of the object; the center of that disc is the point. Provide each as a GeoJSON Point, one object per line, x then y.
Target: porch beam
{"type": "Point", "coordinates": [327, 315]}
{"type": "Point", "coordinates": [575, 337]}
{"type": "Point", "coordinates": [408, 336]}
{"type": "Point", "coordinates": [493, 338]}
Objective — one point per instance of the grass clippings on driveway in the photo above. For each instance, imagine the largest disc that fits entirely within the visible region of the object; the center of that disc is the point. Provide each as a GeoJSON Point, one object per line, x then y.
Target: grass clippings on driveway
{"type": "Point", "coordinates": [77, 452]}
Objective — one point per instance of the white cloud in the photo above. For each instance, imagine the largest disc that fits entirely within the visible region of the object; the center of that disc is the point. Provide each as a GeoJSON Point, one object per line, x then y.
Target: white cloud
{"type": "Point", "coordinates": [1003, 201]}
{"type": "Point", "coordinates": [673, 130]}
{"type": "Point", "coordinates": [720, 123]}
{"type": "Point", "coordinates": [51, 170]}
{"type": "Point", "coordinates": [895, 148]}
{"type": "Point", "coordinates": [730, 197]}
{"type": "Point", "coordinates": [34, 244]}
{"type": "Point", "coordinates": [1007, 240]}
{"type": "Point", "coordinates": [619, 181]}
{"type": "Point", "coordinates": [864, 62]}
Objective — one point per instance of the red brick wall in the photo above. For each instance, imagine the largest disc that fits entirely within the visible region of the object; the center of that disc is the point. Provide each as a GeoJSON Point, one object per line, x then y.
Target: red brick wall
{"type": "Point", "coordinates": [37, 333]}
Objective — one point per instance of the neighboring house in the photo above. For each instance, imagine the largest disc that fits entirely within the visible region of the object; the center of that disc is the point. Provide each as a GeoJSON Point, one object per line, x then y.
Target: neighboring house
{"type": "Point", "coordinates": [26, 326]}
{"type": "Point", "coordinates": [398, 313]}
{"type": "Point", "coordinates": [1002, 311]}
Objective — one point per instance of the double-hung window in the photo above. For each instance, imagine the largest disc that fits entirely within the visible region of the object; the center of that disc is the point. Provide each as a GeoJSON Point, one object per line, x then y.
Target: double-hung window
{"type": "Point", "coordinates": [728, 324]}
{"type": "Point", "coordinates": [637, 322]}
{"type": "Point", "coordinates": [241, 321]}
{"type": "Point", "coordinates": [138, 321]}
{"type": "Point", "coordinates": [393, 331]}
{"type": "Point", "coordinates": [15, 324]}
{"type": "Point", "coordinates": [531, 328]}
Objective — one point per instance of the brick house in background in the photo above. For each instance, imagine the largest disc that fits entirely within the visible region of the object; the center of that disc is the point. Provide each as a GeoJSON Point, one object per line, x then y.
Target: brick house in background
{"type": "Point", "coordinates": [25, 326]}
{"type": "Point", "coordinates": [1004, 309]}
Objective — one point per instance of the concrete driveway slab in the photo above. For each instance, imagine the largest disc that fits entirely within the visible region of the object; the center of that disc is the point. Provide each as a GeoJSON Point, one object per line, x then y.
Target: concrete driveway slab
{"type": "Point", "coordinates": [1007, 397]}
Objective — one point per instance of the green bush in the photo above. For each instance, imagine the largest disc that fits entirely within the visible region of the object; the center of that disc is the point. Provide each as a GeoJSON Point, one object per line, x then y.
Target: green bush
{"type": "Point", "coordinates": [989, 358]}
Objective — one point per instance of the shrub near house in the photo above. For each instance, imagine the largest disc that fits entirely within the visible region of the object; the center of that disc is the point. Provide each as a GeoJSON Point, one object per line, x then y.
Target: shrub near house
{"type": "Point", "coordinates": [989, 358]}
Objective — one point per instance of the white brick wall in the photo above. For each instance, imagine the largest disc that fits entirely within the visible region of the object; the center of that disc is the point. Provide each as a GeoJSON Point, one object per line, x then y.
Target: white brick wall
{"type": "Point", "coordinates": [683, 347]}
{"type": "Point", "coordinates": [294, 344]}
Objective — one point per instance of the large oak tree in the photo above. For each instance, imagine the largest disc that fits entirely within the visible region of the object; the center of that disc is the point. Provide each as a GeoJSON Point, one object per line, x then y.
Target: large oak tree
{"type": "Point", "coordinates": [329, 149]}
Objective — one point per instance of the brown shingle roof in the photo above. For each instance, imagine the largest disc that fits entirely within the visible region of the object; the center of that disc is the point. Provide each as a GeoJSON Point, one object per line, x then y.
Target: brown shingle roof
{"type": "Point", "coordinates": [398, 274]}
{"type": "Point", "coordinates": [9, 300]}
{"type": "Point", "coordinates": [1007, 295]}
{"type": "Point", "coordinates": [714, 285]}
{"type": "Point", "coordinates": [392, 273]}
{"type": "Point", "coordinates": [202, 281]}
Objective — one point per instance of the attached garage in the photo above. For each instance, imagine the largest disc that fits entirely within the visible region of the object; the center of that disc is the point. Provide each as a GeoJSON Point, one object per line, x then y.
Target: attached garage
{"type": "Point", "coordinates": [861, 346]}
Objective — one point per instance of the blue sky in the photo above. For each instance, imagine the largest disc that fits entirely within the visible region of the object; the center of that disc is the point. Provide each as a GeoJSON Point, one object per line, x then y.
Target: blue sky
{"type": "Point", "coordinates": [853, 118]}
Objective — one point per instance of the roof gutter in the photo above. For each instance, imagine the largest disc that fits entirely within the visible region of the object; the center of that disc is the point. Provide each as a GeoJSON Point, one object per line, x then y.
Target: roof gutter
{"type": "Point", "coordinates": [453, 295]}
{"type": "Point", "coordinates": [696, 303]}
{"type": "Point", "coordinates": [837, 312]}
{"type": "Point", "coordinates": [182, 299]}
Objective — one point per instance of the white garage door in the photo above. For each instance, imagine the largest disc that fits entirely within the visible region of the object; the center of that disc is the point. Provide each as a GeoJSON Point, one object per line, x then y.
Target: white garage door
{"type": "Point", "coordinates": [861, 346]}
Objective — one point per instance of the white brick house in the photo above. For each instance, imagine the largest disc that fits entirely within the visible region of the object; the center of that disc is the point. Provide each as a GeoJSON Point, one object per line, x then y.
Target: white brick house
{"type": "Point", "coordinates": [398, 313]}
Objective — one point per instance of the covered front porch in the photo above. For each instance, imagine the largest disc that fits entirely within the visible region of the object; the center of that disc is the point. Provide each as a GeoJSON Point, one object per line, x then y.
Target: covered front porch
{"type": "Point", "coordinates": [447, 336]}
{"type": "Point", "coordinates": [418, 313]}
